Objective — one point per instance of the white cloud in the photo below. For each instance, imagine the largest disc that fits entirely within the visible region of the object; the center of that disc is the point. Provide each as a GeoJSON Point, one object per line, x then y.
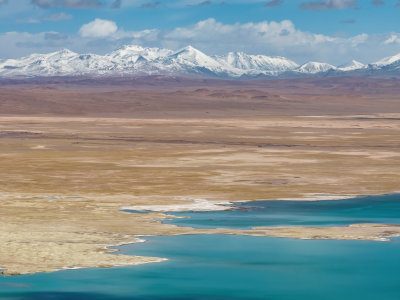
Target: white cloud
{"type": "Point", "coordinates": [270, 38]}
{"type": "Point", "coordinates": [98, 28]}
{"type": "Point", "coordinates": [393, 39]}
{"type": "Point", "coordinates": [212, 37]}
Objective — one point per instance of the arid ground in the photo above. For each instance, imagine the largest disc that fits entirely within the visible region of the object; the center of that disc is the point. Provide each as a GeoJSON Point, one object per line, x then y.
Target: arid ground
{"type": "Point", "coordinates": [74, 152]}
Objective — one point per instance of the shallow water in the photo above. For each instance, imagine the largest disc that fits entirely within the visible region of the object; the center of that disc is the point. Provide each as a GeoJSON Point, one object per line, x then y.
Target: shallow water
{"type": "Point", "coordinates": [372, 209]}
{"type": "Point", "coordinates": [242, 267]}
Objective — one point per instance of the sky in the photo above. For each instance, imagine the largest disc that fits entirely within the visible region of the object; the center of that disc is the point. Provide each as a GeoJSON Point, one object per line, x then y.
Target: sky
{"type": "Point", "coordinates": [333, 31]}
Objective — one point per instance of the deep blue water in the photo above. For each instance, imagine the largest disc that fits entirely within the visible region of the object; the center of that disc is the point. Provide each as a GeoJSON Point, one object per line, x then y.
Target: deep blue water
{"type": "Point", "coordinates": [240, 267]}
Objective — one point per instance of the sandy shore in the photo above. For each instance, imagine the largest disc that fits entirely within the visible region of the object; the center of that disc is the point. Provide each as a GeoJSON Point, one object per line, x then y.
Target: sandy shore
{"type": "Point", "coordinates": [366, 232]}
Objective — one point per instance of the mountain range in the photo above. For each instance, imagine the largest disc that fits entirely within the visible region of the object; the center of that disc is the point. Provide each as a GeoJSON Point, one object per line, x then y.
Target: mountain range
{"type": "Point", "coordinates": [140, 61]}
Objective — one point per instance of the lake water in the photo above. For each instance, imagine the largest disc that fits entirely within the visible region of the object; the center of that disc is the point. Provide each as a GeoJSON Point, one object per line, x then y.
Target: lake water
{"type": "Point", "coordinates": [372, 209]}
{"type": "Point", "coordinates": [240, 267]}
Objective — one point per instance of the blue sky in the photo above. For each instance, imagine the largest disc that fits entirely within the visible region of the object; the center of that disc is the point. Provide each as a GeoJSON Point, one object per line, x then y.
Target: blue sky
{"type": "Point", "coordinates": [334, 31]}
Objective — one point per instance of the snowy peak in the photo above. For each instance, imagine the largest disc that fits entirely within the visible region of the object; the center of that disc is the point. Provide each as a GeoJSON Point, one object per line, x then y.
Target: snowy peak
{"type": "Point", "coordinates": [65, 51]}
{"type": "Point", "coordinates": [193, 56]}
{"type": "Point", "coordinates": [243, 61]}
{"type": "Point", "coordinates": [351, 66]}
{"type": "Point", "coordinates": [190, 60]}
{"type": "Point", "coordinates": [133, 60]}
{"type": "Point", "coordinates": [63, 54]}
{"type": "Point", "coordinates": [59, 63]}
{"type": "Point", "coordinates": [133, 52]}
{"type": "Point", "coordinates": [315, 67]}
{"type": "Point", "coordinates": [388, 63]}
{"type": "Point", "coordinates": [387, 60]}
{"type": "Point", "coordinates": [189, 50]}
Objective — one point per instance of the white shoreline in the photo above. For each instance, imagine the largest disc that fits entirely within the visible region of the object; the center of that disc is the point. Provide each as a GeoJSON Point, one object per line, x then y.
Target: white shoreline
{"type": "Point", "coordinates": [210, 205]}
{"type": "Point", "coordinates": [195, 205]}
{"type": "Point", "coordinates": [320, 197]}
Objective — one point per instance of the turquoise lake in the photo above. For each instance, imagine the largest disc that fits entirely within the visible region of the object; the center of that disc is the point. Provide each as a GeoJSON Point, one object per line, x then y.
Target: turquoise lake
{"type": "Point", "coordinates": [241, 267]}
{"type": "Point", "coordinates": [372, 209]}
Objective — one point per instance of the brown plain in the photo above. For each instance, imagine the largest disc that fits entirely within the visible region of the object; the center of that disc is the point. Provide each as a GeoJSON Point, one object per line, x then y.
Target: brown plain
{"type": "Point", "coordinates": [74, 151]}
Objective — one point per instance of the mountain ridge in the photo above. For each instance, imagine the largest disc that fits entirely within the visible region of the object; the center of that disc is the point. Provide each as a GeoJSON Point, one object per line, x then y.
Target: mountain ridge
{"type": "Point", "coordinates": [133, 60]}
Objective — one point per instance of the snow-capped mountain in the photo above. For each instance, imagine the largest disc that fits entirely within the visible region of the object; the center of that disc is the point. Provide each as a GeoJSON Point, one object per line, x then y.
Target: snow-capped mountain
{"type": "Point", "coordinates": [63, 62]}
{"type": "Point", "coordinates": [189, 60]}
{"type": "Point", "coordinates": [133, 53]}
{"type": "Point", "coordinates": [256, 63]}
{"type": "Point", "coordinates": [391, 63]}
{"type": "Point", "coordinates": [351, 66]}
{"type": "Point", "coordinates": [387, 61]}
{"type": "Point", "coordinates": [314, 68]}
{"type": "Point", "coordinates": [135, 60]}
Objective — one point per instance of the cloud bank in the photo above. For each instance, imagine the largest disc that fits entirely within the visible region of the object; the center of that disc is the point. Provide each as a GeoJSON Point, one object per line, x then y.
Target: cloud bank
{"type": "Point", "coordinates": [98, 29]}
{"type": "Point", "coordinates": [212, 37]}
